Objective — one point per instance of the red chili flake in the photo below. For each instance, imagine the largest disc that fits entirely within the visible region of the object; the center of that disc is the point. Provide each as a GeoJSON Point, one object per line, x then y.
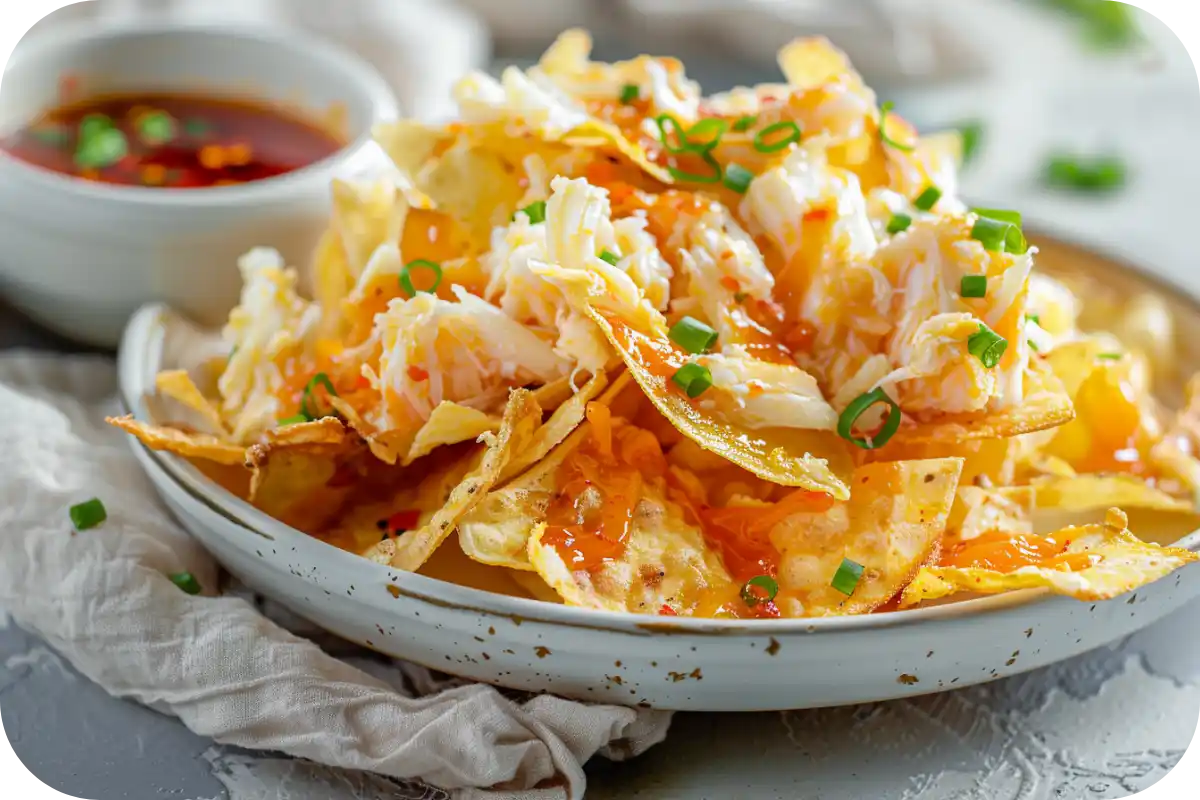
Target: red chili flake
{"type": "Point", "coordinates": [404, 520]}
{"type": "Point", "coordinates": [417, 374]}
{"type": "Point", "coordinates": [817, 215]}
{"type": "Point", "coordinates": [667, 611]}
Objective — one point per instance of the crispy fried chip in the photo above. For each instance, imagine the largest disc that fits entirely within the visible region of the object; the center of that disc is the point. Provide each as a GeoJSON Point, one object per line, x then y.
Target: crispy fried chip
{"type": "Point", "coordinates": [891, 525]}
{"type": "Point", "coordinates": [811, 62]}
{"type": "Point", "coordinates": [978, 511]}
{"type": "Point", "coordinates": [1046, 405]}
{"type": "Point", "coordinates": [1120, 563]}
{"type": "Point", "coordinates": [302, 473]}
{"type": "Point", "coordinates": [1092, 492]}
{"type": "Point", "coordinates": [178, 385]}
{"type": "Point", "coordinates": [522, 418]}
{"type": "Point", "coordinates": [497, 530]}
{"type": "Point", "coordinates": [184, 443]}
{"type": "Point", "coordinates": [450, 423]}
{"type": "Point", "coordinates": [815, 460]}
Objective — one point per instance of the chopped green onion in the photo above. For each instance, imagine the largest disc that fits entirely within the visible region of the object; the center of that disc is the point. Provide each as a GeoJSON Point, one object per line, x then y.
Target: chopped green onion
{"type": "Point", "coordinates": [307, 405]}
{"type": "Point", "coordinates": [1034, 318]}
{"type": "Point", "coordinates": [846, 579]}
{"type": "Point", "coordinates": [629, 93]}
{"type": "Point", "coordinates": [88, 514]}
{"type": "Point", "coordinates": [661, 121]}
{"type": "Point", "coordinates": [705, 134]}
{"type": "Point", "coordinates": [1032, 346]}
{"type": "Point", "coordinates": [1013, 217]}
{"type": "Point", "coordinates": [695, 177]}
{"type": "Point", "coordinates": [884, 111]}
{"type": "Point", "coordinates": [1095, 175]}
{"type": "Point", "coordinates": [859, 407]}
{"type": "Point", "coordinates": [987, 345]}
{"type": "Point", "coordinates": [738, 178]}
{"type": "Point", "coordinates": [93, 124]}
{"type": "Point", "coordinates": [293, 420]}
{"type": "Point", "coordinates": [928, 198]}
{"type": "Point", "coordinates": [187, 582]}
{"type": "Point", "coordinates": [973, 286]}
{"type": "Point", "coordinates": [610, 257]}
{"type": "Point", "coordinates": [101, 149]}
{"type": "Point", "coordinates": [776, 144]}
{"type": "Point", "coordinates": [535, 211]}
{"type": "Point", "coordinates": [406, 282]}
{"type": "Point", "coordinates": [156, 127]}
{"type": "Point", "coordinates": [694, 379]}
{"type": "Point", "coordinates": [1109, 356]}
{"type": "Point", "coordinates": [899, 223]}
{"type": "Point", "coordinates": [759, 589]}
{"type": "Point", "coordinates": [693, 335]}
{"type": "Point", "coordinates": [972, 138]}
{"type": "Point", "coordinates": [998, 234]}
{"type": "Point", "coordinates": [743, 124]}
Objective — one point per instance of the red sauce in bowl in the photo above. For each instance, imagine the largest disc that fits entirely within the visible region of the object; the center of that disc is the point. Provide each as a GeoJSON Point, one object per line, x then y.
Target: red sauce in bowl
{"type": "Point", "coordinates": [171, 141]}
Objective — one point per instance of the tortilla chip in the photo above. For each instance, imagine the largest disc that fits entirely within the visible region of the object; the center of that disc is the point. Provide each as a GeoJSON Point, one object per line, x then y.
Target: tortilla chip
{"type": "Point", "coordinates": [303, 483]}
{"type": "Point", "coordinates": [450, 423]}
{"type": "Point", "coordinates": [184, 443]}
{"type": "Point", "coordinates": [891, 525]}
{"type": "Point", "coordinates": [1046, 405]}
{"type": "Point", "coordinates": [1125, 563]}
{"type": "Point", "coordinates": [537, 588]}
{"type": "Point", "coordinates": [522, 418]}
{"type": "Point", "coordinates": [978, 511]}
{"type": "Point", "coordinates": [178, 385]}
{"type": "Point", "coordinates": [410, 145]}
{"type": "Point", "coordinates": [1092, 492]}
{"type": "Point", "coordinates": [497, 531]}
{"type": "Point", "coordinates": [811, 62]}
{"type": "Point", "coordinates": [815, 460]}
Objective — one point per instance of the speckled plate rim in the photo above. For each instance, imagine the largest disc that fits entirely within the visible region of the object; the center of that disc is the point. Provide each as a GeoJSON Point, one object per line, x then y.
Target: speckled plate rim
{"type": "Point", "coordinates": [142, 345]}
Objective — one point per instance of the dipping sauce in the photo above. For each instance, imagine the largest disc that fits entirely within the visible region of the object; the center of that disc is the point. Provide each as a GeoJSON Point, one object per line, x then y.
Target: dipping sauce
{"type": "Point", "coordinates": [171, 141]}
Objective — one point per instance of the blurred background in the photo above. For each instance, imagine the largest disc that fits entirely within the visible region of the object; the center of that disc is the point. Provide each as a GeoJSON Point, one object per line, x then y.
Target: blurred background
{"type": "Point", "coordinates": [1080, 111]}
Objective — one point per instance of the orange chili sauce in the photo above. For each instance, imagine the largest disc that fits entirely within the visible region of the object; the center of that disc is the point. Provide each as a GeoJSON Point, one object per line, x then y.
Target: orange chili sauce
{"type": "Point", "coordinates": [215, 142]}
{"type": "Point", "coordinates": [598, 488]}
{"type": "Point", "coordinates": [1006, 552]}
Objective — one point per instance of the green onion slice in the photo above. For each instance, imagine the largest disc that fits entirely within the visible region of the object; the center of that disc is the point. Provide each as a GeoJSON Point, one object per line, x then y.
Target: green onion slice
{"type": "Point", "coordinates": [928, 198]}
{"type": "Point", "coordinates": [536, 211]}
{"type": "Point", "coordinates": [186, 581]}
{"type": "Point", "coordinates": [101, 149]}
{"type": "Point", "coordinates": [973, 286]}
{"type": "Point", "coordinates": [610, 257]}
{"type": "Point", "coordinates": [695, 177]}
{"type": "Point", "coordinates": [706, 134]}
{"type": "Point", "coordinates": [738, 178]}
{"type": "Point", "coordinates": [999, 235]}
{"type": "Point", "coordinates": [857, 408]}
{"type": "Point", "coordinates": [846, 579]}
{"type": "Point", "coordinates": [308, 405]}
{"type": "Point", "coordinates": [987, 345]}
{"type": "Point", "coordinates": [197, 128]}
{"type": "Point", "coordinates": [662, 121]}
{"type": "Point", "coordinates": [899, 223]}
{"type": "Point", "coordinates": [406, 282]}
{"type": "Point", "coordinates": [54, 135]}
{"type": "Point", "coordinates": [88, 514]}
{"type": "Point", "coordinates": [1034, 318]}
{"type": "Point", "coordinates": [156, 127]}
{"type": "Point", "coordinates": [743, 124]}
{"type": "Point", "coordinates": [766, 140]}
{"type": "Point", "coordinates": [884, 111]}
{"type": "Point", "coordinates": [1003, 215]}
{"type": "Point", "coordinates": [92, 124]}
{"type": "Point", "coordinates": [972, 138]}
{"type": "Point", "coordinates": [693, 335]}
{"type": "Point", "coordinates": [1085, 175]}
{"type": "Point", "coordinates": [1109, 356]}
{"type": "Point", "coordinates": [629, 93]}
{"type": "Point", "coordinates": [293, 420]}
{"type": "Point", "coordinates": [694, 379]}
{"type": "Point", "coordinates": [759, 589]}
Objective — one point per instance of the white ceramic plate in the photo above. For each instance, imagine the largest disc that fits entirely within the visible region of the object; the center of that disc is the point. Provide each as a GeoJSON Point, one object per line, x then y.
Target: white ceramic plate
{"type": "Point", "coordinates": [675, 663]}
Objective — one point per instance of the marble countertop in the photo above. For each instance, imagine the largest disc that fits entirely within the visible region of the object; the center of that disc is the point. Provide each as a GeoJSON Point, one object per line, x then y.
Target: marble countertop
{"type": "Point", "coordinates": [1103, 725]}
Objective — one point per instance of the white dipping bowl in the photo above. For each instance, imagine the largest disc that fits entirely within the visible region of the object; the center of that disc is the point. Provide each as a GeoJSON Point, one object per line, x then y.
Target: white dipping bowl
{"type": "Point", "coordinates": [80, 256]}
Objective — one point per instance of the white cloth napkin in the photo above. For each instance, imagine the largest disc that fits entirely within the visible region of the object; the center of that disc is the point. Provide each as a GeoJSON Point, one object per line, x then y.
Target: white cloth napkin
{"type": "Point", "coordinates": [100, 597]}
